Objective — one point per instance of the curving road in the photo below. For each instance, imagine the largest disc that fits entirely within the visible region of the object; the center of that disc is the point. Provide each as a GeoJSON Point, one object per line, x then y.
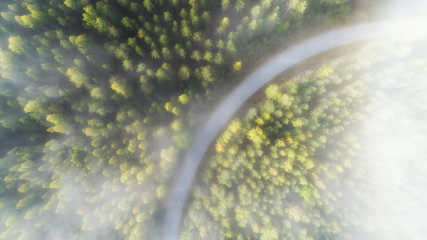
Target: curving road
{"type": "Point", "coordinates": [255, 81]}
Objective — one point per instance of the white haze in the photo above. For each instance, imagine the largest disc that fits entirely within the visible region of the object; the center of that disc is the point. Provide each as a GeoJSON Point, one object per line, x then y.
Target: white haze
{"type": "Point", "coordinates": [404, 9]}
{"type": "Point", "coordinates": [394, 144]}
{"type": "Point", "coordinates": [395, 141]}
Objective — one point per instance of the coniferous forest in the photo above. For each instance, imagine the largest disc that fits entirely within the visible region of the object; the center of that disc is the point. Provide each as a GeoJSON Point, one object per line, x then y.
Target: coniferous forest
{"type": "Point", "coordinates": [101, 99]}
{"type": "Point", "coordinates": [299, 164]}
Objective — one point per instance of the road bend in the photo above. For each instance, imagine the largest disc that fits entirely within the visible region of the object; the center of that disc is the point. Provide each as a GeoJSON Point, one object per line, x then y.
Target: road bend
{"type": "Point", "coordinates": [252, 83]}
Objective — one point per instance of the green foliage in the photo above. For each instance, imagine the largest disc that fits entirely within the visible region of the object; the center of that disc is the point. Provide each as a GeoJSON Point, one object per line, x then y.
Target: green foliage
{"type": "Point", "coordinates": [257, 136]}
{"type": "Point", "coordinates": [298, 7]}
{"type": "Point", "coordinates": [96, 98]}
{"type": "Point", "coordinates": [183, 98]}
{"type": "Point", "coordinates": [121, 87]}
{"type": "Point", "coordinates": [292, 161]}
{"type": "Point", "coordinates": [35, 19]}
{"type": "Point", "coordinates": [17, 44]}
{"type": "Point", "coordinates": [77, 77]}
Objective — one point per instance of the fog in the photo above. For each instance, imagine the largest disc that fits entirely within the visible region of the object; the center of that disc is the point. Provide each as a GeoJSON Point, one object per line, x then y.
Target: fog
{"type": "Point", "coordinates": [404, 9]}
{"type": "Point", "coordinates": [393, 154]}
{"type": "Point", "coordinates": [266, 73]}
{"type": "Point", "coordinates": [397, 208]}
{"type": "Point", "coordinates": [394, 138]}
{"type": "Point", "coordinates": [393, 150]}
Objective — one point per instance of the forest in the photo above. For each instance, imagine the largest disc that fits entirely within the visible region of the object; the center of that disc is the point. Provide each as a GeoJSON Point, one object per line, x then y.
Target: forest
{"type": "Point", "coordinates": [100, 100]}
{"type": "Point", "coordinates": [298, 162]}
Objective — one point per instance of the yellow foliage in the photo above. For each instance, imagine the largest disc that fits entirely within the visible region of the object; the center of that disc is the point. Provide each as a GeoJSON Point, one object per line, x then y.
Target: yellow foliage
{"type": "Point", "coordinates": [90, 132]}
{"type": "Point", "coordinates": [272, 92]}
{"type": "Point", "coordinates": [234, 126]}
{"type": "Point", "coordinates": [233, 149]}
{"type": "Point", "coordinates": [140, 217]}
{"type": "Point", "coordinates": [297, 123]}
{"type": "Point", "coordinates": [280, 143]}
{"type": "Point", "coordinates": [202, 231]}
{"type": "Point", "coordinates": [273, 171]}
{"type": "Point", "coordinates": [325, 71]}
{"type": "Point", "coordinates": [337, 101]}
{"type": "Point", "coordinates": [259, 121]}
{"type": "Point", "coordinates": [237, 66]}
{"type": "Point", "coordinates": [323, 139]}
{"type": "Point", "coordinates": [241, 214]}
{"type": "Point", "coordinates": [289, 139]}
{"type": "Point", "coordinates": [77, 77]}
{"type": "Point", "coordinates": [54, 184]}
{"type": "Point", "coordinates": [176, 125]}
{"type": "Point", "coordinates": [255, 228]}
{"type": "Point", "coordinates": [308, 164]}
{"type": "Point", "coordinates": [176, 111]}
{"type": "Point", "coordinates": [257, 136]}
{"type": "Point", "coordinates": [23, 188]}
{"type": "Point", "coordinates": [219, 148]}
{"type": "Point", "coordinates": [10, 221]}
{"type": "Point", "coordinates": [226, 164]}
{"type": "Point", "coordinates": [183, 98]}
{"type": "Point", "coordinates": [225, 21]}
{"type": "Point", "coordinates": [141, 33]}
{"type": "Point", "coordinates": [16, 44]}
{"type": "Point", "coordinates": [168, 106]}
{"type": "Point", "coordinates": [161, 191]}
{"type": "Point", "coordinates": [286, 100]}
{"type": "Point", "coordinates": [22, 203]}
{"type": "Point", "coordinates": [266, 116]}
{"type": "Point", "coordinates": [120, 86]}
{"type": "Point", "coordinates": [58, 129]}
{"type": "Point", "coordinates": [288, 166]}
{"type": "Point", "coordinates": [140, 177]}
{"type": "Point", "coordinates": [149, 168]}
{"type": "Point", "coordinates": [294, 213]}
